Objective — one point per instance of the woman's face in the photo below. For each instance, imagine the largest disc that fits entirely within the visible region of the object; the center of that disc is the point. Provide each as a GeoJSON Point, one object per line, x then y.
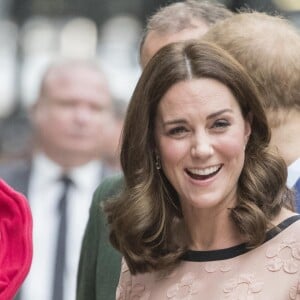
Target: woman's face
{"type": "Point", "coordinates": [201, 137]}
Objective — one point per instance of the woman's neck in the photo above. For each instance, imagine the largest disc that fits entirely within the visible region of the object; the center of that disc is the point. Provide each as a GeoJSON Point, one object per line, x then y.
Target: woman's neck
{"type": "Point", "coordinates": [213, 232]}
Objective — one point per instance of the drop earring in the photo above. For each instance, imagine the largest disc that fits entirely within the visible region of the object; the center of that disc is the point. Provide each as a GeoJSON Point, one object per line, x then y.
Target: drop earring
{"type": "Point", "coordinates": [157, 162]}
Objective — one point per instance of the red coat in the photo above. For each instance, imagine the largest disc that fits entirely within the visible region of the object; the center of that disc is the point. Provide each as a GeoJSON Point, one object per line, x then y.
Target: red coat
{"type": "Point", "coordinates": [15, 240]}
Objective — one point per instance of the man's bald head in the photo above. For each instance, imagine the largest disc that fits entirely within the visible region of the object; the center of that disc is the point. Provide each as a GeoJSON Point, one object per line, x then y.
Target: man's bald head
{"type": "Point", "coordinates": [179, 21]}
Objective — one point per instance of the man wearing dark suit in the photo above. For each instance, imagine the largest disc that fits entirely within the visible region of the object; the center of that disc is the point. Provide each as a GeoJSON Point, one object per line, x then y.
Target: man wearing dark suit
{"type": "Point", "coordinates": [99, 266]}
{"type": "Point", "coordinates": [68, 119]}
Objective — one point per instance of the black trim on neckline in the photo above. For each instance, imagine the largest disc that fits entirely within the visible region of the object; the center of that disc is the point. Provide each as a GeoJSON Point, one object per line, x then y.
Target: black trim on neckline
{"type": "Point", "coordinates": [221, 254]}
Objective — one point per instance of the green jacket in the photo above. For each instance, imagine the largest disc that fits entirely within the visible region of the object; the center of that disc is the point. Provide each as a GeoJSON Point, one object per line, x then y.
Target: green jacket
{"type": "Point", "coordinates": [100, 263]}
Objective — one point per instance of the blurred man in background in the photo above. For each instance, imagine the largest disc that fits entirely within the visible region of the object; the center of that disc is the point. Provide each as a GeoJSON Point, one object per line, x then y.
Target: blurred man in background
{"type": "Point", "coordinates": [69, 116]}
{"type": "Point", "coordinates": [179, 21]}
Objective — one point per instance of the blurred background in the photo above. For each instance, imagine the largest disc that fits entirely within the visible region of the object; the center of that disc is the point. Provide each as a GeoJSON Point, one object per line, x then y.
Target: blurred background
{"type": "Point", "coordinates": [34, 32]}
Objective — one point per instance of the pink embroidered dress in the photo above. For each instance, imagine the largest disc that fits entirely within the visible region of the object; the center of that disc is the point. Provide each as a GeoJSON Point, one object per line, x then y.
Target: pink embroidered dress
{"type": "Point", "coordinates": [268, 272]}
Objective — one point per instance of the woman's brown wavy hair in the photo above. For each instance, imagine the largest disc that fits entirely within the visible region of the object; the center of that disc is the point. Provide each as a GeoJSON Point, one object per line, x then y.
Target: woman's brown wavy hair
{"type": "Point", "coordinates": [146, 222]}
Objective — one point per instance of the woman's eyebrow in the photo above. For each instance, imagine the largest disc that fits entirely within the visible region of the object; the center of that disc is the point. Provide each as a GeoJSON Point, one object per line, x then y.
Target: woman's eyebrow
{"type": "Point", "coordinates": [215, 114]}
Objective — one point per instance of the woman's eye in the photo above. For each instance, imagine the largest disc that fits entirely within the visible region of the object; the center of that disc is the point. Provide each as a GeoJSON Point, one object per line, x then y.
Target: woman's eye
{"type": "Point", "coordinates": [177, 131]}
{"type": "Point", "coordinates": [221, 124]}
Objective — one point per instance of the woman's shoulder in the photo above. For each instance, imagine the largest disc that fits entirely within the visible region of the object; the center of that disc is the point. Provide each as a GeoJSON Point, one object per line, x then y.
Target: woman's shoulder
{"type": "Point", "coordinates": [283, 215]}
{"type": "Point", "coordinates": [286, 223]}
{"type": "Point", "coordinates": [284, 236]}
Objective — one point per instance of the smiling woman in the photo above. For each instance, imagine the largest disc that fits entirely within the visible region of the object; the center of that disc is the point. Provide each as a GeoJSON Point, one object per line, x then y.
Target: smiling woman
{"type": "Point", "coordinates": [201, 182]}
{"type": "Point", "coordinates": [201, 136]}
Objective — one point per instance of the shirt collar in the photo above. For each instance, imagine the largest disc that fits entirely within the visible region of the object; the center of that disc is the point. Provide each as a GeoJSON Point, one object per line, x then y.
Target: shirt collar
{"type": "Point", "coordinates": [85, 176]}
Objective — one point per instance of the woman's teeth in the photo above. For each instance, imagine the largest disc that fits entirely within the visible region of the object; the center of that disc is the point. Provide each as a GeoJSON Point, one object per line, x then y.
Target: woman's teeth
{"type": "Point", "coordinates": [205, 173]}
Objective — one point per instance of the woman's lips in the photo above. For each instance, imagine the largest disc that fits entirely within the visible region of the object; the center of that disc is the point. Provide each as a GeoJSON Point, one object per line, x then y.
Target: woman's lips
{"type": "Point", "coordinates": [203, 173]}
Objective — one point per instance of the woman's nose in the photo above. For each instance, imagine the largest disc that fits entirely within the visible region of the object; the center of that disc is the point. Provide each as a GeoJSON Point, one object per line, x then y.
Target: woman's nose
{"type": "Point", "coordinates": [202, 147]}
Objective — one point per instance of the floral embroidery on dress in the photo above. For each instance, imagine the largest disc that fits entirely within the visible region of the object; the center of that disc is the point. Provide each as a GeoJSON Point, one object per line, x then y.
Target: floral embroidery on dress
{"type": "Point", "coordinates": [121, 293]}
{"type": "Point", "coordinates": [295, 292]}
{"type": "Point", "coordinates": [289, 263]}
{"type": "Point", "coordinates": [183, 290]}
{"type": "Point", "coordinates": [234, 291]}
{"type": "Point", "coordinates": [164, 275]}
{"type": "Point", "coordinates": [139, 292]}
{"type": "Point", "coordinates": [212, 267]}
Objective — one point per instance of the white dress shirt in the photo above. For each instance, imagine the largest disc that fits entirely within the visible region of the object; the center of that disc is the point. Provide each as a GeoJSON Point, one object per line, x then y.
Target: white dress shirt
{"type": "Point", "coordinates": [43, 194]}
